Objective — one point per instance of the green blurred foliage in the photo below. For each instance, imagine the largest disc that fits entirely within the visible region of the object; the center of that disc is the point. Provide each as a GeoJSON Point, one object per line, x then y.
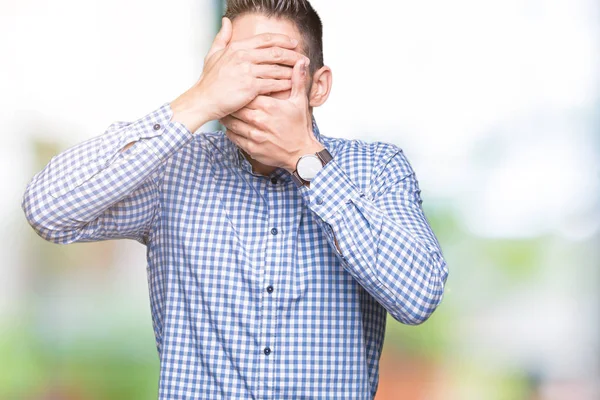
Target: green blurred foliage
{"type": "Point", "coordinates": [124, 366]}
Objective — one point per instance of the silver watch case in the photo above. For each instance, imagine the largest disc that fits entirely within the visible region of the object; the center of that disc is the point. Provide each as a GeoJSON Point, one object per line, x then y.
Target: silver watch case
{"type": "Point", "coordinates": [308, 166]}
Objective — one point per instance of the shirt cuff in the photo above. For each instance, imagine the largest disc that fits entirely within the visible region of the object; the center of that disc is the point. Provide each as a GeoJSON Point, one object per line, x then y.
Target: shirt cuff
{"type": "Point", "coordinates": [167, 136]}
{"type": "Point", "coordinates": [329, 191]}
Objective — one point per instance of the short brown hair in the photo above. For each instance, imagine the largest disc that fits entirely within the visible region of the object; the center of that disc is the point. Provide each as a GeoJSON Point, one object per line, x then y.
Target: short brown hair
{"type": "Point", "coordinates": [300, 12]}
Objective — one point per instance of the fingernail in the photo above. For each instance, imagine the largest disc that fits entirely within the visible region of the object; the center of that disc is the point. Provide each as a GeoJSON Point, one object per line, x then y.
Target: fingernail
{"type": "Point", "coordinates": [294, 42]}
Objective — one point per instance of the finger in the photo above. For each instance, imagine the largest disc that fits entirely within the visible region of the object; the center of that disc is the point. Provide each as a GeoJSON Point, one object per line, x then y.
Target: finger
{"type": "Point", "coordinates": [239, 140]}
{"type": "Point", "coordinates": [265, 86]}
{"type": "Point", "coordinates": [299, 80]}
{"type": "Point", "coordinates": [244, 114]}
{"type": "Point", "coordinates": [265, 40]}
{"type": "Point", "coordinates": [262, 102]}
{"type": "Point", "coordinates": [272, 71]}
{"type": "Point", "coordinates": [255, 118]}
{"type": "Point", "coordinates": [222, 39]}
{"type": "Point", "coordinates": [238, 126]}
{"type": "Point", "coordinates": [275, 55]}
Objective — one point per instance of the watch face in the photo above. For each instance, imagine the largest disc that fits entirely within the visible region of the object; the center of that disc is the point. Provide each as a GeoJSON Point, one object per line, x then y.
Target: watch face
{"type": "Point", "coordinates": [308, 166]}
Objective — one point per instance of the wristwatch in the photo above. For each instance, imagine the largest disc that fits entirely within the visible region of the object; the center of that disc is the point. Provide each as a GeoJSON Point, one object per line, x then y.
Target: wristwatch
{"type": "Point", "coordinates": [308, 166]}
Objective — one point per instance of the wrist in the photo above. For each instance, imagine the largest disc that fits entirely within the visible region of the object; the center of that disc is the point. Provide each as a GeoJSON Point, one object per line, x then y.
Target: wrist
{"type": "Point", "coordinates": [313, 147]}
{"type": "Point", "coordinates": [189, 113]}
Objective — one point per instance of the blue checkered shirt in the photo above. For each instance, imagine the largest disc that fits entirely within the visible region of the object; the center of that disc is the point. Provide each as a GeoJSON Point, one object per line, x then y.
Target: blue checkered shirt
{"type": "Point", "coordinates": [249, 294]}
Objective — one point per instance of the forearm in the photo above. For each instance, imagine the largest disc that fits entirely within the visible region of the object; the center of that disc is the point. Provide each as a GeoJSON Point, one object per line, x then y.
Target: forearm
{"type": "Point", "coordinates": [392, 254]}
{"type": "Point", "coordinates": [185, 113]}
{"type": "Point", "coordinates": [82, 182]}
{"type": "Point", "coordinates": [400, 271]}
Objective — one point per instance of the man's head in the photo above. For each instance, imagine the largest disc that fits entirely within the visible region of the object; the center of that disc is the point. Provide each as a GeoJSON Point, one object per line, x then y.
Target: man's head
{"type": "Point", "coordinates": [300, 12]}
{"type": "Point", "coordinates": [295, 18]}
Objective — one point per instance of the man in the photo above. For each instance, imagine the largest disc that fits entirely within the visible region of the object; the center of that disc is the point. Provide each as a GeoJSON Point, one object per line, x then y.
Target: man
{"type": "Point", "coordinates": [274, 252]}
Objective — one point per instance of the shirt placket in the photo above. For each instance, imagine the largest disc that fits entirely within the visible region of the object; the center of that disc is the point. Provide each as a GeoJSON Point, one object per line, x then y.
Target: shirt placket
{"type": "Point", "coordinates": [274, 242]}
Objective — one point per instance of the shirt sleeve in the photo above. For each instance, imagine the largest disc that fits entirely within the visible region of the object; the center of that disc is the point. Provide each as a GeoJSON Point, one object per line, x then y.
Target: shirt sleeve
{"type": "Point", "coordinates": [384, 238]}
{"type": "Point", "coordinates": [94, 191]}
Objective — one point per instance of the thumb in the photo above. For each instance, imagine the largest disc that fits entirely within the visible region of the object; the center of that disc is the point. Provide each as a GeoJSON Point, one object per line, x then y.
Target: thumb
{"type": "Point", "coordinates": [299, 80]}
{"type": "Point", "coordinates": [222, 39]}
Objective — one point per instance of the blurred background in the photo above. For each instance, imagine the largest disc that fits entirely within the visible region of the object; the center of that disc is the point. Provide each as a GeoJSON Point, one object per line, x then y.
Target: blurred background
{"type": "Point", "coordinates": [496, 104]}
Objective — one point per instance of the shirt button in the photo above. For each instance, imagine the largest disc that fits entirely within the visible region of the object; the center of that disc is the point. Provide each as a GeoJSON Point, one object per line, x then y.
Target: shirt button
{"type": "Point", "coordinates": [274, 231]}
{"type": "Point", "coordinates": [156, 127]}
{"type": "Point", "coordinates": [267, 351]}
{"type": "Point", "coordinates": [270, 289]}
{"type": "Point", "coordinates": [274, 181]}
{"type": "Point", "coordinates": [319, 200]}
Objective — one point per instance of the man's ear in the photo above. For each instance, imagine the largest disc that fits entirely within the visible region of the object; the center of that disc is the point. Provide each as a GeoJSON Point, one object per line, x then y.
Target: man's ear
{"type": "Point", "coordinates": [321, 87]}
